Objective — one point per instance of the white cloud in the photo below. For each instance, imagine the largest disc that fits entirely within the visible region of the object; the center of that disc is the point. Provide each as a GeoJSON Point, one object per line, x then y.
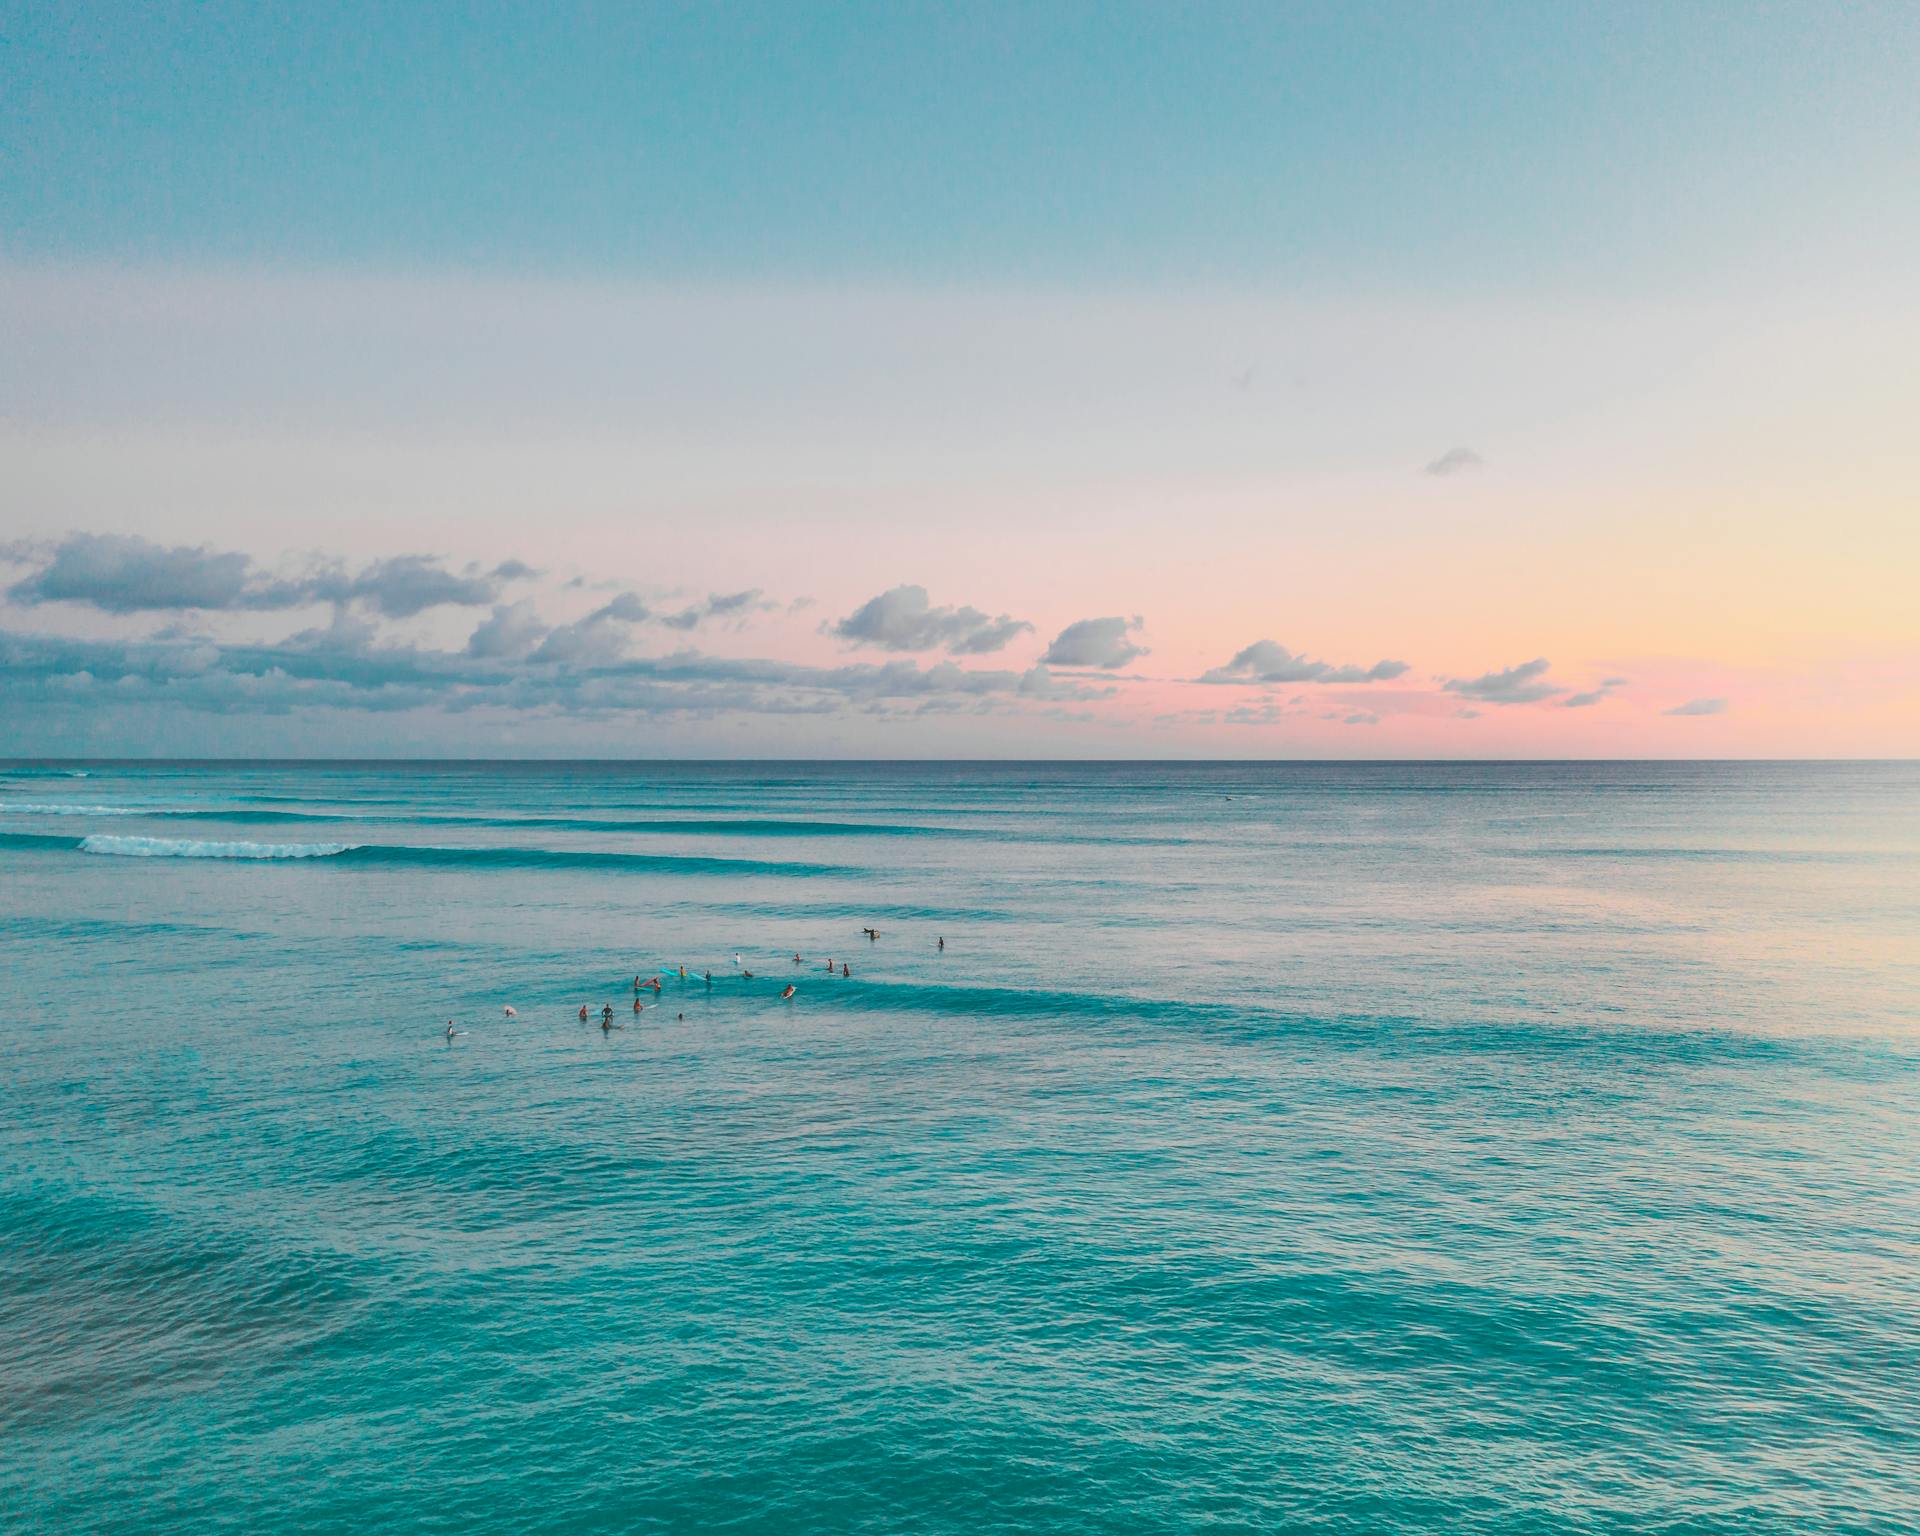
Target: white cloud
{"type": "Point", "coordinates": [1103, 643]}
{"type": "Point", "coordinates": [904, 619]}
{"type": "Point", "coordinates": [1522, 684]}
{"type": "Point", "coordinates": [1265, 661]}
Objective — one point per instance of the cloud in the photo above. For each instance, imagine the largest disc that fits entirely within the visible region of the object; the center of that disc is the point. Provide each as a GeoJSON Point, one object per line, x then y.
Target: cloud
{"type": "Point", "coordinates": [576, 670]}
{"type": "Point", "coordinates": [348, 632]}
{"type": "Point", "coordinates": [511, 630]}
{"type": "Point", "coordinates": [627, 608]}
{"type": "Point", "coordinates": [1095, 643]}
{"type": "Point", "coordinates": [734, 606]}
{"type": "Point", "coordinates": [399, 587]}
{"type": "Point", "coordinates": [902, 619]}
{"type": "Point", "coordinates": [1522, 684]}
{"type": "Point", "coordinates": [723, 603]}
{"type": "Point", "coordinates": [513, 661]}
{"type": "Point", "coordinates": [1267, 662]}
{"type": "Point", "coordinates": [599, 639]}
{"type": "Point", "coordinates": [1593, 695]}
{"type": "Point", "coordinates": [514, 570]}
{"type": "Point", "coordinates": [1455, 461]}
{"type": "Point", "coordinates": [123, 573]}
{"type": "Point", "coordinates": [1039, 683]}
{"type": "Point", "coordinates": [1699, 707]}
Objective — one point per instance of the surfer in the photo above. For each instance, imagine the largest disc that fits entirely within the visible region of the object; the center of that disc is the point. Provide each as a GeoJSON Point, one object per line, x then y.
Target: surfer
{"type": "Point", "coordinates": [844, 971]}
{"type": "Point", "coordinates": [940, 944]}
{"type": "Point", "coordinates": [636, 1005]}
{"type": "Point", "coordinates": [583, 1013]}
{"type": "Point", "coordinates": [791, 989]}
{"type": "Point", "coordinates": [746, 975]}
{"type": "Point", "coordinates": [451, 1031]}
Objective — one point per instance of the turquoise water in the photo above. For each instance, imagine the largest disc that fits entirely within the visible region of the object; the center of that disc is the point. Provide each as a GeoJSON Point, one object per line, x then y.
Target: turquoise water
{"type": "Point", "coordinates": [1288, 1148]}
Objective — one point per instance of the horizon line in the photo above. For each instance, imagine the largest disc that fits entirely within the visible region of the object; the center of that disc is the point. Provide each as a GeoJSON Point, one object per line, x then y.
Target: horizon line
{"type": "Point", "coordinates": [1164, 762]}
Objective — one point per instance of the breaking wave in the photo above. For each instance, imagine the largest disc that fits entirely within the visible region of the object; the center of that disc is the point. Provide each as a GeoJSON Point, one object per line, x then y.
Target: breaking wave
{"type": "Point", "coordinates": [35, 808]}
{"type": "Point", "coordinates": [194, 848]}
{"type": "Point", "coordinates": [429, 856]}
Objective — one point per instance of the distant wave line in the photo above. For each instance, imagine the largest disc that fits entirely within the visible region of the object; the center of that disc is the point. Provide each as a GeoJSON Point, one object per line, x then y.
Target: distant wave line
{"type": "Point", "coordinates": [707, 826]}
{"type": "Point", "coordinates": [429, 856]}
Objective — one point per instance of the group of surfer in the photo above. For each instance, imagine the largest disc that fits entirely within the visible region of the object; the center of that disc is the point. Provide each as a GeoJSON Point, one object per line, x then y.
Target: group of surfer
{"type": "Point", "coordinates": [653, 983]}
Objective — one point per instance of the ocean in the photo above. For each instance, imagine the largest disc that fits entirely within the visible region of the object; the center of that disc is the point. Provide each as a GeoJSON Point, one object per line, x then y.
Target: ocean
{"type": "Point", "coordinates": [1484, 1148]}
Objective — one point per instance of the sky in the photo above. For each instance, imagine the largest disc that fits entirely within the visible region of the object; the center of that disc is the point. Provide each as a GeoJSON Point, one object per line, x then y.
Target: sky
{"type": "Point", "coordinates": [1332, 381]}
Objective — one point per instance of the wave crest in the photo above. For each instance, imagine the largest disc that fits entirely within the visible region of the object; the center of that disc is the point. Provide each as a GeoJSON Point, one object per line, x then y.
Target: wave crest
{"type": "Point", "coordinates": [194, 848]}
{"type": "Point", "coordinates": [38, 808]}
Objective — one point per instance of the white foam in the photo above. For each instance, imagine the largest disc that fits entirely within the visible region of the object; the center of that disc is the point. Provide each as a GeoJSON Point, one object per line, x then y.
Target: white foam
{"type": "Point", "coordinates": [34, 808]}
{"type": "Point", "coordinates": [194, 848]}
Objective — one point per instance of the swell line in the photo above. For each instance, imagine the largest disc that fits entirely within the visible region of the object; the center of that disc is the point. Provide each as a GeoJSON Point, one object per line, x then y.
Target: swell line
{"type": "Point", "coordinates": [424, 856]}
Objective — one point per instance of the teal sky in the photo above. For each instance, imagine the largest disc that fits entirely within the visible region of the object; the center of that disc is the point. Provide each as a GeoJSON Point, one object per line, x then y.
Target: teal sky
{"type": "Point", "coordinates": [1416, 146]}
